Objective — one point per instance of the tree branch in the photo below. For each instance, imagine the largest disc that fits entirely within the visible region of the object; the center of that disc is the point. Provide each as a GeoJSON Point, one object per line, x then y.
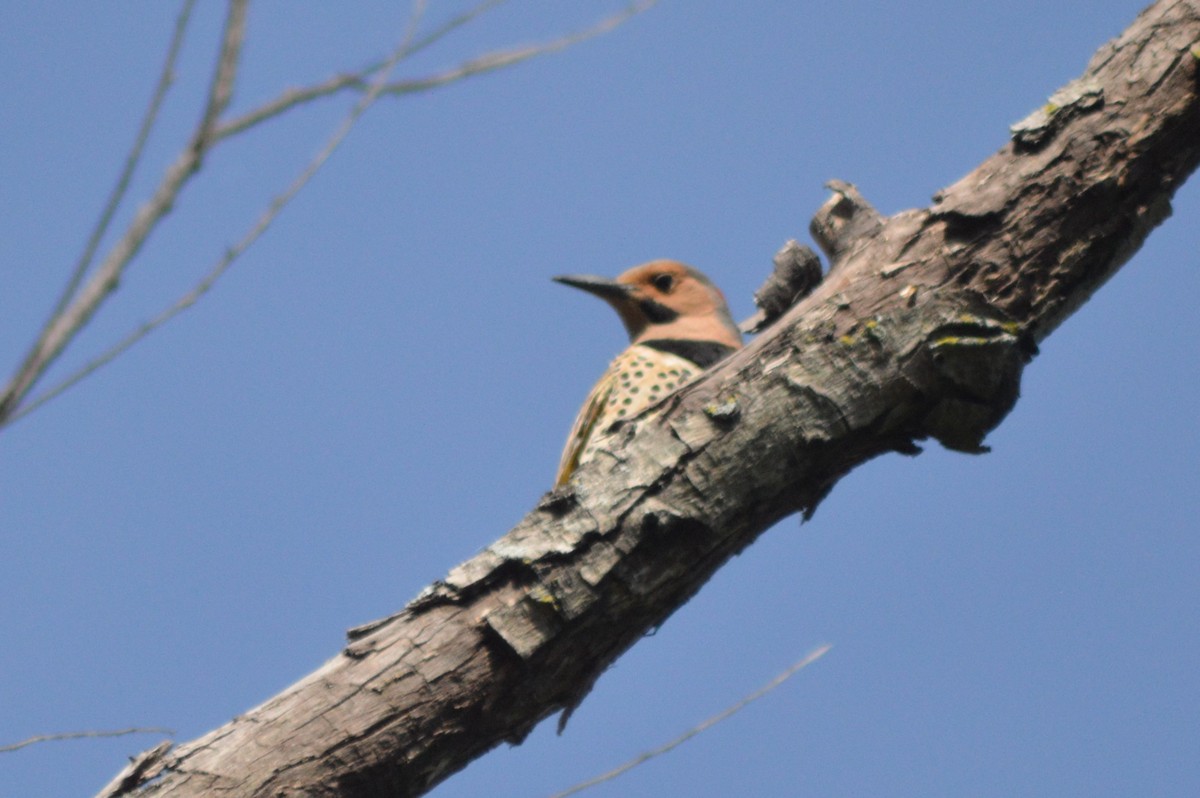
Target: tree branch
{"type": "Point", "coordinates": [920, 330]}
{"type": "Point", "coordinates": [359, 80]}
{"type": "Point", "coordinates": [260, 226]}
{"type": "Point", "coordinates": [65, 325]}
{"type": "Point", "coordinates": [165, 78]}
{"type": "Point", "coordinates": [76, 307]}
{"type": "Point", "coordinates": [489, 62]}
{"type": "Point", "coordinates": [705, 725]}
{"type": "Point", "coordinates": [47, 738]}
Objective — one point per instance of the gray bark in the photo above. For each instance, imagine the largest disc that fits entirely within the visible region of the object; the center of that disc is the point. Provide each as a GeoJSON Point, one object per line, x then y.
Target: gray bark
{"type": "Point", "coordinates": [920, 330]}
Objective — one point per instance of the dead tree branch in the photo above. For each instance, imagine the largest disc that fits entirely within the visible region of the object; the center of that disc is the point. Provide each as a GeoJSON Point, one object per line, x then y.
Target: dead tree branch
{"type": "Point", "coordinates": [81, 300]}
{"type": "Point", "coordinates": [490, 62]}
{"type": "Point", "coordinates": [705, 725]}
{"type": "Point", "coordinates": [64, 326]}
{"type": "Point", "coordinates": [132, 160]}
{"type": "Point", "coordinates": [256, 230]}
{"type": "Point", "coordinates": [49, 738]}
{"type": "Point", "coordinates": [920, 331]}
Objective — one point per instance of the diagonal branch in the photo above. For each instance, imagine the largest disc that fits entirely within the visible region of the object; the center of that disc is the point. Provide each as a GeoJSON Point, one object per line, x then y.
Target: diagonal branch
{"type": "Point", "coordinates": [231, 254]}
{"type": "Point", "coordinates": [77, 306]}
{"type": "Point", "coordinates": [165, 79]}
{"type": "Point", "coordinates": [220, 91]}
{"type": "Point", "coordinates": [725, 714]}
{"type": "Point", "coordinates": [920, 330]}
{"type": "Point", "coordinates": [46, 738]}
{"type": "Point", "coordinates": [490, 62]}
{"type": "Point", "coordinates": [506, 58]}
{"type": "Point", "coordinates": [63, 327]}
{"type": "Point", "coordinates": [360, 80]}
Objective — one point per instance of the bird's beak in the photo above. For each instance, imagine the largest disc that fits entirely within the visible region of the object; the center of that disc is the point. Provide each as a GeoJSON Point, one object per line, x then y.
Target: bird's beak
{"type": "Point", "coordinates": [600, 286]}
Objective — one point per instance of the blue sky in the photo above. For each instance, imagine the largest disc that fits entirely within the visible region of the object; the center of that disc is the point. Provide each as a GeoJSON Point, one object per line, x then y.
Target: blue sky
{"type": "Point", "coordinates": [381, 387]}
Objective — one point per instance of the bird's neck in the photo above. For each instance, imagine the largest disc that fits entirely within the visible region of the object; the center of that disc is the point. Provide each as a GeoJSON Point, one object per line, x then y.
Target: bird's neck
{"type": "Point", "coordinates": [702, 353]}
{"type": "Point", "coordinates": [714, 328]}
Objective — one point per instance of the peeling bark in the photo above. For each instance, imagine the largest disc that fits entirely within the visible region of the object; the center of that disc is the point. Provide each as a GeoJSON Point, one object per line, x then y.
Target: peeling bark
{"type": "Point", "coordinates": [920, 330]}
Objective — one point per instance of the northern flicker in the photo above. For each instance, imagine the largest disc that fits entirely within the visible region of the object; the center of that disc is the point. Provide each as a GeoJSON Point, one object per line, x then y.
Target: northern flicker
{"type": "Point", "coordinates": [678, 325]}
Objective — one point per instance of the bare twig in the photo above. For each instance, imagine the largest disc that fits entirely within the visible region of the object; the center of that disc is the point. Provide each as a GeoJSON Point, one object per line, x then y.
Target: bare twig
{"type": "Point", "coordinates": [490, 62]}
{"type": "Point", "coordinates": [360, 80]}
{"type": "Point", "coordinates": [132, 160]}
{"type": "Point", "coordinates": [372, 80]}
{"type": "Point", "coordinates": [60, 330]}
{"type": "Point", "coordinates": [45, 738]}
{"type": "Point", "coordinates": [10, 398]}
{"type": "Point", "coordinates": [792, 670]}
{"type": "Point", "coordinates": [260, 226]}
{"type": "Point", "coordinates": [292, 98]}
{"type": "Point", "coordinates": [221, 89]}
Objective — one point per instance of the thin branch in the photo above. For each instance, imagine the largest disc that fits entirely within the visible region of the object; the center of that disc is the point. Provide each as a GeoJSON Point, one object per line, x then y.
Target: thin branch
{"type": "Point", "coordinates": [39, 355]}
{"type": "Point", "coordinates": [264, 221]}
{"type": "Point", "coordinates": [360, 80]}
{"type": "Point", "coordinates": [60, 330]}
{"type": "Point", "coordinates": [45, 738]}
{"type": "Point", "coordinates": [374, 89]}
{"type": "Point", "coordinates": [290, 99]}
{"type": "Point", "coordinates": [490, 62]}
{"type": "Point", "coordinates": [795, 668]}
{"type": "Point", "coordinates": [165, 78]}
{"type": "Point", "coordinates": [221, 88]}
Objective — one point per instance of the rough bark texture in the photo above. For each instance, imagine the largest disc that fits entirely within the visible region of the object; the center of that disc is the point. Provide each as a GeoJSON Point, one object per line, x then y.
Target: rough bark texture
{"type": "Point", "coordinates": [920, 330]}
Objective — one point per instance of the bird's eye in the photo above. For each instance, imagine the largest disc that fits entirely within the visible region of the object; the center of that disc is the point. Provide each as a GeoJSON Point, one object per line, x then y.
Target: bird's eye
{"type": "Point", "coordinates": [663, 282]}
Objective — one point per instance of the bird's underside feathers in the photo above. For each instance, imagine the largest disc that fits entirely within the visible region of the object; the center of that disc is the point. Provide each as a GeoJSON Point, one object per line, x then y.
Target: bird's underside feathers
{"type": "Point", "coordinates": [639, 377]}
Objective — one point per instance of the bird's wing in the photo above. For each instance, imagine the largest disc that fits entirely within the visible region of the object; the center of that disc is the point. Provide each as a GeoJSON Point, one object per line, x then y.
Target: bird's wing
{"type": "Point", "coordinates": [585, 427]}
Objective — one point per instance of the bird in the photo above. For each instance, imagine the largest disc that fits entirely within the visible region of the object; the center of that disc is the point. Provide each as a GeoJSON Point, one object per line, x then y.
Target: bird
{"type": "Point", "coordinates": [678, 325]}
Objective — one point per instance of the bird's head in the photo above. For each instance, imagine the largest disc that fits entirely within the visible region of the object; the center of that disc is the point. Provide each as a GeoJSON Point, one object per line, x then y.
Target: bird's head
{"type": "Point", "coordinates": [665, 299]}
